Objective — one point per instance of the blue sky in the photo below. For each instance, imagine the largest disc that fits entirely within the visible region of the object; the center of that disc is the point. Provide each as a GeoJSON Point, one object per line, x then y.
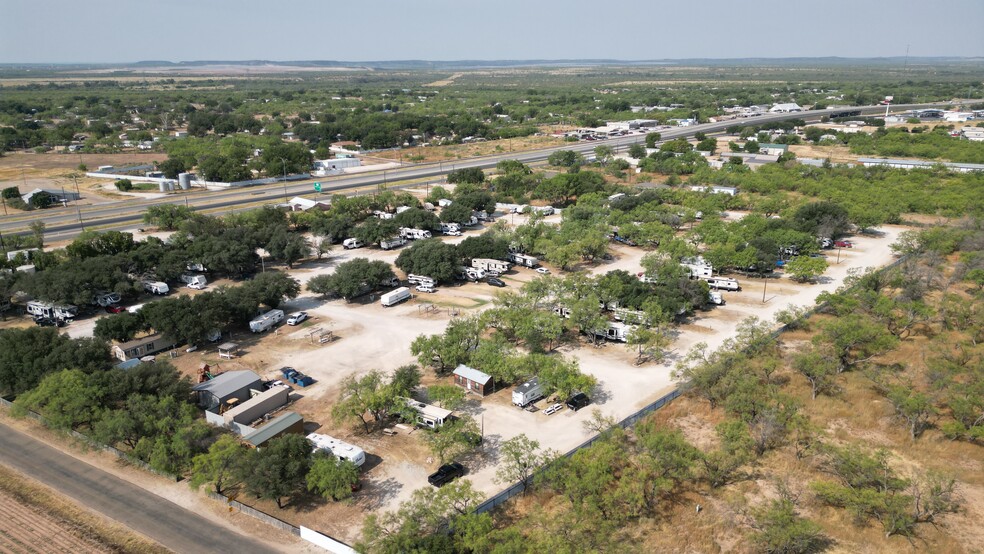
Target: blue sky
{"type": "Point", "coordinates": [90, 31]}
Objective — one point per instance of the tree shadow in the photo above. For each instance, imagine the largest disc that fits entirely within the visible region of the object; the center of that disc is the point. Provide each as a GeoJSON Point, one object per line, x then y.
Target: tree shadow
{"type": "Point", "coordinates": [484, 456]}
{"type": "Point", "coordinates": [376, 493]}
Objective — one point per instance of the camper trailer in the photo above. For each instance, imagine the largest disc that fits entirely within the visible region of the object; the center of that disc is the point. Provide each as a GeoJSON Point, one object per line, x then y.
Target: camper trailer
{"type": "Point", "coordinates": [421, 280]}
{"type": "Point", "coordinates": [156, 287]}
{"type": "Point", "coordinates": [194, 281]}
{"type": "Point", "coordinates": [723, 283]}
{"type": "Point", "coordinates": [394, 296]}
{"type": "Point", "coordinates": [266, 321]}
{"type": "Point", "coordinates": [427, 415]}
{"type": "Point", "coordinates": [342, 450]}
{"type": "Point", "coordinates": [392, 242]}
{"type": "Point", "coordinates": [615, 331]}
{"type": "Point", "coordinates": [523, 259]}
{"type": "Point", "coordinates": [351, 243]}
{"type": "Point", "coordinates": [414, 234]}
{"type": "Point", "coordinates": [63, 312]}
{"type": "Point", "coordinates": [104, 299]}
{"type": "Point", "coordinates": [488, 264]}
{"type": "Point", "coordinates": [527, 393]}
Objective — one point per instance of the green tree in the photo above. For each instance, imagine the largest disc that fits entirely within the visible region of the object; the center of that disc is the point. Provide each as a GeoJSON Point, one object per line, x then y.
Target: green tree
{"type": "Point", "coordinates": [27, 355]}
{"type": "Point", "coordinates": [565, 158]}
{"type": "Point", "coordinates": [68, 399]}
{"type": "Point", "coordinates": [449, 397]}
{"type": "Point", "coordinates": [806, 268]}
{"type": "Point", "coordinates": [288, 247]}
{"type": "Point", "coordinates": [457, 213]}
{"type": "Point", "coordinates": [454, 439]}
{"type": "Point", "coordinates": [637, 151]}
{"type": "Point", "coordinates": [332, 477]}
{"type": "Point", "coordinates": [373, 230]}
{"type": "Point", "coordinates": [468, 175]}
{"type": "Point", "coordinates": [445, 352]}
{"type": "Point", "coordinates": [416, 218]}
{"type": "Point", "coordinates": [221, 465]}
{"type": "Point", "coordinates": [854, 339]}
{"type": "Point", "coordinates": [519, 458]}
{"type": "Point", "coordinates": [820, 367]}
{"type": "Point", "coordinates": [120, 327]}
{"type": "Point", "coordinates": [433, 258]}
{"type": "Point", "coordinates": [652, 139]}
{"type": "Point", "coordinates": [353, 278]}
{"type": "Point", "coordinates": [780, 530]}
{"type": "Point", "coordinates": [279, 469]}
{"type": "Point", "coordinates": [172, 167]}
{"type": "Point", "coordinates": [167, 216]}
{"type": "Point", "coordinates": [124, 185]}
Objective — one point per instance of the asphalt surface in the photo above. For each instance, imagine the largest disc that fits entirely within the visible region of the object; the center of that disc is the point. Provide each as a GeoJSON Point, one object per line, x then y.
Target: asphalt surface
{"type": "Point", "coordinates": [63, 223]}
{"type": "Point", "coordinates": [160, 519]}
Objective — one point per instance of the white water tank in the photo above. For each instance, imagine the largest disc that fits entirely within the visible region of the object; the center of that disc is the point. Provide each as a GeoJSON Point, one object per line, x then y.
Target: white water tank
{"type": "Point", "coordinates": [184, 179]}
{"type": "Point", "coordinates": [163, 186]}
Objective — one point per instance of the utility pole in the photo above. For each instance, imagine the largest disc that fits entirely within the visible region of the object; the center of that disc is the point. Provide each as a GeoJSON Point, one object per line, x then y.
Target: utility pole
{"type": "Point", "coordinates": [765, 283]}
{"type": "Point", "coordinates": [285, 179]}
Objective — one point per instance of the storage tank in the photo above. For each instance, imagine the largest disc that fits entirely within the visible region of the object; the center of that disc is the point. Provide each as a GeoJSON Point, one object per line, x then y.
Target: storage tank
{"type": "Point", "coordinates": [184, 179]}
{"type": "Point", "coordinates": [163, 186]}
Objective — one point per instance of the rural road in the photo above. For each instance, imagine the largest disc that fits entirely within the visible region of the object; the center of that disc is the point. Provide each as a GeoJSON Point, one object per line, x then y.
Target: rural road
{"type": "Point", "coordinates": [157, 518]}
{"type": "Point", "coordinates": [64, 223]}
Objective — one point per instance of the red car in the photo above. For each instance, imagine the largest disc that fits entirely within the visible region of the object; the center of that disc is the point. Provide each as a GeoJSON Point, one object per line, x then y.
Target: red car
{"type": "Point", "coordinates": [843, 244]}
{"type": "Point", "coordinates": [114, 309]}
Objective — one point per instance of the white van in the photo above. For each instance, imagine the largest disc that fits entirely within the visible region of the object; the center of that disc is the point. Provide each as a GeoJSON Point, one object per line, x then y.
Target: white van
{"type": "Point", "coordinates": [348, 244]}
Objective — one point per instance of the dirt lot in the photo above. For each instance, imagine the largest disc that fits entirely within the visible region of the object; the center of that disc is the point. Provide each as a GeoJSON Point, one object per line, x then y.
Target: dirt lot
{"type": "Point", "coordinates": [33, 518]}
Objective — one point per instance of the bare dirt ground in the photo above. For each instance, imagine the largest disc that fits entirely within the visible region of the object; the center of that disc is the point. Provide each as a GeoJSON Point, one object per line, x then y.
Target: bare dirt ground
{"type": "Point", "coordinates": [463, 151]}
{"type": "Point", "coordinates": [34, 518]}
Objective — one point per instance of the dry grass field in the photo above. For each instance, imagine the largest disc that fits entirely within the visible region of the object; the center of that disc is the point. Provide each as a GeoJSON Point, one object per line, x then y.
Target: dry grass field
{"type": "Point", "coordinates": [35, 519]}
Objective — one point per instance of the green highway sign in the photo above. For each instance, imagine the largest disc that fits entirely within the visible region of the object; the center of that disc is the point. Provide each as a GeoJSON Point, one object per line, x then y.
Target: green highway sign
{"type": "Point", "coordinates": [317, 187]}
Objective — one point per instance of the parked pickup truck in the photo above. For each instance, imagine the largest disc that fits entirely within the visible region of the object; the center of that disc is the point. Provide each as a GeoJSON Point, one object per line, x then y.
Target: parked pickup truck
{"type": "Point", "coordinates": [446, 473]}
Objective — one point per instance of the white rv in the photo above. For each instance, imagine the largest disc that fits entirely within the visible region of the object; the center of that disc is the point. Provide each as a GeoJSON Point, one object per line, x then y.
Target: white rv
{"type": "Point", "coordinates": [523, 259]}
{"type": "Point", "coordinates": [615, 331]}
{"type": "Point", "coordinates": [266, 321]}
{"type": "Point", "coordinates": [470, 273]}
{"type": "Point", "coordinates": [194, 281]}
{"type": "Point", "coordinates": [698, 268]}
{"type": "Point", "coordinates": [350, 243]}
{"type": "Point", "coordinates": [414, 234]}
{"type": "Point", "coordinates": [489, 264]}
{"type": "Point", "coordinates": [64, 312]}
{"type": "Point", "coordinates": [394, 296]}
{"type": "Point", "coordinates": [427, 415]}
{"type": "Point", "coordinates": [723, 283]}
{"type": "Point", "coordinates": [528, 392]}
{"type": "Point", "coordinates": [340, 449]}
{"type": "Point", "coordinates": [421, 280]}
{"type": "Point", "coordinates": [715, 297]}
{"type": "Point", "coordinates": [156, 287]}
{"type": "Point", "coordinates": [392, 242]}
{"type": "Point", "coordinates": [451, 229]}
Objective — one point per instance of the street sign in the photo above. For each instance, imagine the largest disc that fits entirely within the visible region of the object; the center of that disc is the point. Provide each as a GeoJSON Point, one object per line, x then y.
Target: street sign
{"type": "Point", "coordinates": [317, 187]}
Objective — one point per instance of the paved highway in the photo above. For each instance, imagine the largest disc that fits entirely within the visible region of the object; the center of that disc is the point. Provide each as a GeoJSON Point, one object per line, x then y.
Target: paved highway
{"type": "Point", "coordinates": [63, 223]}
{"type": "Point", "coordinates": [163, 521]}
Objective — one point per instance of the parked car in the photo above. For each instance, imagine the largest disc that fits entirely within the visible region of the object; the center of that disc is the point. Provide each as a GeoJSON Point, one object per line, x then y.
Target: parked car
{"type": "Point", "coordinates": [843, 244]}
{"type": "Point", "coordinates": [496, 282]}
{"type": "Point", "coordinates": [446, 473]}
{"type": "Point", "coordinates": [578, 401]}
{"type": "Point", "coordinates": [114, 309]}
{"type": "Point", "coordinates": [553, 409]}
{"type": "Point", "coordinates": [294, 319]}
{"type": "Point", "coordinates": [425, 288]}
{"type": "Point", "coordinates": [48, 322]}
{"type": "Point", "coordinates": [543, 271]}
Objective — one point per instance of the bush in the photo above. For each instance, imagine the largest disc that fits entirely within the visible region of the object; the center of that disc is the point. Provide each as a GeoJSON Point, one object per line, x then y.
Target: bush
{"type": "Point", "coordinates": [124, 185]}
{"type": "Point", "coordinates": [11, 192]}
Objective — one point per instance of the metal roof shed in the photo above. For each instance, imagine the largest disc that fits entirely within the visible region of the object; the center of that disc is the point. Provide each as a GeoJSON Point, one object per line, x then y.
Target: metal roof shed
{"type": "Point", "coordinates": [233, 384]}
{"type": "Point", "coordinates": [288, 422]}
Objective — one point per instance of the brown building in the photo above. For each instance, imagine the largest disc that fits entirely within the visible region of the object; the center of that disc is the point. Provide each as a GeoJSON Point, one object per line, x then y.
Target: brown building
{"type": "Point", "coordinates": [473, 380]}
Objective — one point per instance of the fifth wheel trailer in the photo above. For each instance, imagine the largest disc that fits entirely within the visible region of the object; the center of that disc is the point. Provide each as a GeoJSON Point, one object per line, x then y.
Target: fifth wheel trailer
{"type": "Point", "coordinates": [266, 321]}
{"type": "Point", "coordinates": [488, 264]}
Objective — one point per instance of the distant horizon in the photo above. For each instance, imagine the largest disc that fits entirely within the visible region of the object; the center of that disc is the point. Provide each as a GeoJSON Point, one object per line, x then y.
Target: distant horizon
{"type": "Point", "coordinates": [68, 32]}
{"type": "Point", "coordinates": [659, 61]}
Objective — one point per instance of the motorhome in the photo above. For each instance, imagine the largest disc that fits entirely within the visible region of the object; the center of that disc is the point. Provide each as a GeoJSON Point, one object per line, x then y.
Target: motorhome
{"type": "Point", "coordinates": [489, 264]}
{"type": "Point", "coordinates": [392, 242]}
{"type": "Point", "coordinates": [715, 297]}
{"type": "Point", "coordinates": [414, 234]}
{"type": "Point", "coordinates": [421, 280]}
{"type": "Point", "coordinates": [156, 287]}
{"type": "Point", "coordinates": [266, 321]}
{"type": "Point", "coordinates": [394, 296]}
{"type": "Point", "coordinates": [723, 283]}
{"type": "Point", "coordinates": [383, 215]}
{"type": "Point", "coordinates": [341, 449]}
{"type": "Point", "coordinates": [523, 259]}
{"type": "Point", "coordinates": [527, 393]}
